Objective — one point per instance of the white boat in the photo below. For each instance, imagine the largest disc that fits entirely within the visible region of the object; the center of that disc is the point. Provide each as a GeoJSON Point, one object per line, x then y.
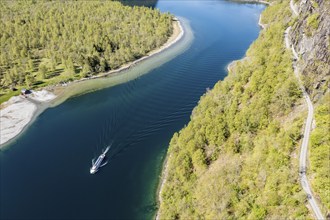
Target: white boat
{"type": "Point", "coordinates": [99, 162]}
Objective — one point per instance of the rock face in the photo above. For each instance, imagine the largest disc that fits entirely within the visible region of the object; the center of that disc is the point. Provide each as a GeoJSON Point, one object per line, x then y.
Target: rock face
{"type": "Point", "coordinates": [311, 39]}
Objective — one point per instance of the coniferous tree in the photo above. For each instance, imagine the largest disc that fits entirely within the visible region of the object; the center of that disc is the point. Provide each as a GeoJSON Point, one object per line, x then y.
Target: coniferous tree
{"type": "Point", "coordinates": [60, 37]}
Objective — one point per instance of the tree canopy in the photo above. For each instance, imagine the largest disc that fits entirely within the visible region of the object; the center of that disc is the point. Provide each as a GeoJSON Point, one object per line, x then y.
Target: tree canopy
{"type": "Point", "coordinates": [237, 157]}
{"type": "Point", "coordinates": [49, 41]}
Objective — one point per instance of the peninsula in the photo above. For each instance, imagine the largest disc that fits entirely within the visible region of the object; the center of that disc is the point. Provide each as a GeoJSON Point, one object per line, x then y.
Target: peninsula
{"type": "Point", "coordinates": [18, 112]}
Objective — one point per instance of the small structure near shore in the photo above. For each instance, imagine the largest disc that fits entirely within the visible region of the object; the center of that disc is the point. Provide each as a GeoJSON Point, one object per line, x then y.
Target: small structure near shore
{"type": "Point", "coordinates": [25, 92]}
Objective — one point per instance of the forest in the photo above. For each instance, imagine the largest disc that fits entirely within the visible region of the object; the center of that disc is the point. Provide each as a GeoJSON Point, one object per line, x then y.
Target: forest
{"type": "Point", "coordinates": [320, 152]}
{"type": "Point", "coordinates": [47, 42]}
{"type": "Point", "coordinates": [238, 156]}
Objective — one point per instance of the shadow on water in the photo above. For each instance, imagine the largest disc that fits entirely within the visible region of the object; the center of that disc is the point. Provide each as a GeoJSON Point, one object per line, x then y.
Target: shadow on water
{"type": "Point", "coordinates": [149, 208]}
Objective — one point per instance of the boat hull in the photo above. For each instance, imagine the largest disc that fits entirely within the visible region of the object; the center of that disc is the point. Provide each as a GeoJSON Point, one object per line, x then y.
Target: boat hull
{"type": "Point", "coordinates": [99, 162]}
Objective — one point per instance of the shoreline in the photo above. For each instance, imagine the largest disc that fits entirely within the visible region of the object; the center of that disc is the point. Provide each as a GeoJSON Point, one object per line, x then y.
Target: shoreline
{"type": "Point", "coordinates": [162, 181]}
{"type": "Point", "coordinates": [252, 1]}
{"type": "Point", "coordinates": [177, 34]}
{"type": "Point", "coordinates": [229, 67]}
{"type": "Point", "coordinates": [18, 113]}
{"type": "Point", "coordinates": [262, 26]}
{"type": "Point", "coordinates": [175, 37]}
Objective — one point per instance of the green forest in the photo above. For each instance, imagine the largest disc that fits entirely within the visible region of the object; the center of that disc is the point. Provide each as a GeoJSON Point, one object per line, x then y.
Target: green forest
{"type": "Point", "coordinates": [320, 152]}
{"type": "Point", "coordinates": [238, 156]}
{"type": "Point", "coordinates": [47, 42]}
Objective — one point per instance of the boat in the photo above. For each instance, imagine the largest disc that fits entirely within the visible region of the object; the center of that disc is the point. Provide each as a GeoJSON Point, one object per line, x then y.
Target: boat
{"type": "Point", "coordinates": [99, 162]}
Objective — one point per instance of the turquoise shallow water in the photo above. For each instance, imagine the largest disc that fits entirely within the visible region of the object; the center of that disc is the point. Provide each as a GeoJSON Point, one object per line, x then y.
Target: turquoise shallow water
{"type": "Point", "coordinates": [44, 174]}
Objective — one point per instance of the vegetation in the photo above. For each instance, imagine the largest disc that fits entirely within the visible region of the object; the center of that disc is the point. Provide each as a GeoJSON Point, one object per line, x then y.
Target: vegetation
{"type": "Point", "coordinates": [312, 23]}
{"type": "Point", "coordinates": [237, 157]}
{"type": "Point", "coordinates": [315, 4]}
{"type": "Point", "coordinates": [44, 42]}
{"type": "Point", "coordinates": [320, 152]}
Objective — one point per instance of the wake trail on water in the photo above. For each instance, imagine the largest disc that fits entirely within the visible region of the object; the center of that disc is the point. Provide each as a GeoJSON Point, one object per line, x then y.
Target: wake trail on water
{"type": "Point", "coordinates": [143, 101]}
{"type": "Point", "coordinates": [109, 133]}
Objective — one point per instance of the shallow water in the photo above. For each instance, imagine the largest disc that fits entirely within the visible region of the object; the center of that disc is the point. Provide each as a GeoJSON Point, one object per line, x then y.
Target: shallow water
{"type": "Point", "coordinates": [44, 174]}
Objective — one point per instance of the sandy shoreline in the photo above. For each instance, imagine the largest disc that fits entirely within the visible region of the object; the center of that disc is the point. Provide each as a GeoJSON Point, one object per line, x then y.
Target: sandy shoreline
{"type": "Point", "coordinates": [17, 113]}
{"type": "Point", "coordinates": [175, 37]}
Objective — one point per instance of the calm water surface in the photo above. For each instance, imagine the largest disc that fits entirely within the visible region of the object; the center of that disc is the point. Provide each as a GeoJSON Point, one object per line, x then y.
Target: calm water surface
{"type": "Point", "coordinates": [45, 173]}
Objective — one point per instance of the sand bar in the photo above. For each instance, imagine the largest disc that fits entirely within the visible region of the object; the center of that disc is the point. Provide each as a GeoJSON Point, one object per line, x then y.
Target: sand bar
{"type": "Point", "coordinates": [18, 111]}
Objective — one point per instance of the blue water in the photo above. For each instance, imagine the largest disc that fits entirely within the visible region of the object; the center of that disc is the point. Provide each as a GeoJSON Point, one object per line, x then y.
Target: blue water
{"type": "Point", "coordinates": [44, 174]}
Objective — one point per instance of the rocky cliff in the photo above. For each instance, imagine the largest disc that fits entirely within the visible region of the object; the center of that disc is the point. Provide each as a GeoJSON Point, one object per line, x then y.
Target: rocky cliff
{"type": "Point", "coordinates": [310, 36]}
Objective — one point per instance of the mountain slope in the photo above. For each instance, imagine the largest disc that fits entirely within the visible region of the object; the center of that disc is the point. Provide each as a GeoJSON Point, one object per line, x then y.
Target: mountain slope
{"type": "Point", "coordinates": [311, 40]}
{"type": "Point", "coordinates": [238, 156]}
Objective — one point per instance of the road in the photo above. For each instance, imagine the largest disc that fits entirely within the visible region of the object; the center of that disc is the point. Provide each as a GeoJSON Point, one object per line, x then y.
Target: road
{"type": "Point", "coordinates": [304, 144]}
{"type": "Point", "coordinates": [304, 155]}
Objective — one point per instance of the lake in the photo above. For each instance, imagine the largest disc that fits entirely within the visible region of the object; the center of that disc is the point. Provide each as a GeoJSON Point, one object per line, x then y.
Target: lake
{"type": "Point", "coordinates": [44, 173]}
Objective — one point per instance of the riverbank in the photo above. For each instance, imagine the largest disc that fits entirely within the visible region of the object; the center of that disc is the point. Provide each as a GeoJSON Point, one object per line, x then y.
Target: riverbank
{"type": "Point", "coordinates": [230, 67]}
{"type": "Point", "coordinates": [252, 1]}
{"type": "Point", "coordinates": [19, 112]}
{"type": "Point", "coordinates": [162, 181]}
{"type": "Point", "coordinates": [177, 34]}
{"type": "Point", "coordinates": [232, 64]}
